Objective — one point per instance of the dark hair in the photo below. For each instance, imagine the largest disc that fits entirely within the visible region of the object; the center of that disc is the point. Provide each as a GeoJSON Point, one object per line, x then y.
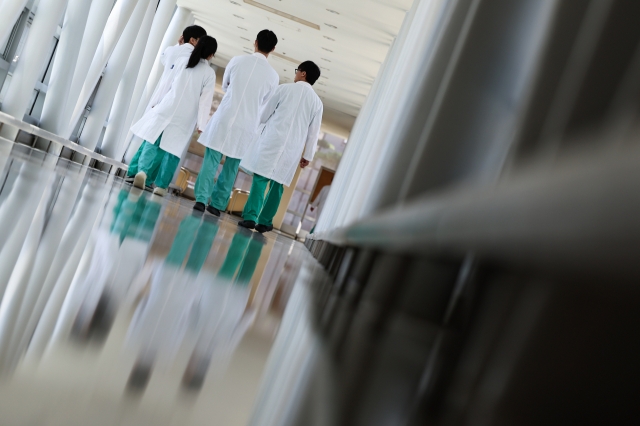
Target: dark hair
{"type": "Point", "coordinates": [312, 70]}
{"type": "Point", "coordinates": [206, 47]}
{"type": "Point", "coordinates": [267, 41]}
{"type": "Point", "coordinates": [193, 31]}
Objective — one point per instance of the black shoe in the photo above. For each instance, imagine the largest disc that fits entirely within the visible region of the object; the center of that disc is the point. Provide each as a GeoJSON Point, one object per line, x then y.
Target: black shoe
{"type": "Point", "coordinates": [249, 224]}
{"type": "Point", "coordinates": [213, 210]}
{"type": "Point", "coordinates": [199, 207]}
{"type": "Point", "coordinates": [264, 228]}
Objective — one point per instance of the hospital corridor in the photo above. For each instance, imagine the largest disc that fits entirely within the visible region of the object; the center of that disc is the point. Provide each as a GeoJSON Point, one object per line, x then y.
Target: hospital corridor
{"type": "Point", "coordinates": [319, 212]}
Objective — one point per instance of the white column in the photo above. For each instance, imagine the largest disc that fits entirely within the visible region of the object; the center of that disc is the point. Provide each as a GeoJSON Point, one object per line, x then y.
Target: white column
{"type": "Point", "coordinates": [113, 30]}
{"type": "Point", "coordinates": [112, 76]}
{"type": "Point", "coordinates": [31, 63]}
{"type": "Point", "coordinates": [180, 20]}
{"type": "Point", "coordinates": [96, 21]}
{"type": "Point", "coordinates": [151, 53]}
{"type": "Point", "coordinates": [405, 59]}
{"type": "Point", "coordinates": [9, 13]}
{"type": "Point", "coordinates": [112, 143]}
{"type": "Point", "coordinates": [67, 52]}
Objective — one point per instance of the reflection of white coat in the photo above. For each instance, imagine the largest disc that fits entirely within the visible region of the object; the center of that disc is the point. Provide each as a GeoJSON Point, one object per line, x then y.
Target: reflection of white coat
{"type": "Point", "coordinates": [293, 116]}
{"type": "Point", "coordinates": [187, 103]}
{"type": "Point", "coordinates": [249, 81]}
{"type": "Point", "coordinates": [169, 59]}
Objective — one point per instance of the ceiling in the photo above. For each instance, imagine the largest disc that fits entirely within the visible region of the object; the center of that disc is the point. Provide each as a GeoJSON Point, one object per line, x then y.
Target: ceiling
{"type": "Point", "coordinates": [348, 39]}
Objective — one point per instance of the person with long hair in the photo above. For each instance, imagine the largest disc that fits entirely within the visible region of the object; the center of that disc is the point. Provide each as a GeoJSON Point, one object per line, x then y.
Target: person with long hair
{"type": "Point", "coordinates": [171, 122]}
{"type": "Point", "coordinates": [171, 56]}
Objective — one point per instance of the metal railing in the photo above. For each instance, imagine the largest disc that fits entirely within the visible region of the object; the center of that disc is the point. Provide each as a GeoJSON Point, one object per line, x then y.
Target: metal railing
{"type": "Point", "coordinates": [114, 166]}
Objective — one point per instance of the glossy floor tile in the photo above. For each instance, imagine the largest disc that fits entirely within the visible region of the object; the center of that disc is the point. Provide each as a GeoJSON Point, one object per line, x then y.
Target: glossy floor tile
{"type": "Point", "coordinates": [120, 307]}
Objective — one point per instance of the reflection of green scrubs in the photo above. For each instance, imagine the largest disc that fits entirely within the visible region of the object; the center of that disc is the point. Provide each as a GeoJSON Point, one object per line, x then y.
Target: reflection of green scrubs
{"type": "Point", "coordinates": [256, 209]}
{"type": "Point", "coordinates": [221, 191]}
{"type": "Point", "coordinates": [151, 158]}
{"type": "Point", "coordinates": [196, 235]}
{"type": "Point", "coordinates": [242, 257]}
{"type": "Point", "coordinates": [153, 173]}
{"type": "Point", "coordinates": [135, 219]}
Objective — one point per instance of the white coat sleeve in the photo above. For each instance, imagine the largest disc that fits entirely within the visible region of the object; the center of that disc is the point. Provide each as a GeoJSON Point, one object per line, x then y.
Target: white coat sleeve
{"type": "Point", "coordinates": [206, 99]}
{"type": "Point", "coordinates": [226, 78]}
{"type": "Point", "coordinates": [272, 90]}
{"type": "Point", "coordinates": [165, 54]}
{"type": "Point", "coordinates": [270, 107]}
{"type": "Point", "coordinates": [312, 136]}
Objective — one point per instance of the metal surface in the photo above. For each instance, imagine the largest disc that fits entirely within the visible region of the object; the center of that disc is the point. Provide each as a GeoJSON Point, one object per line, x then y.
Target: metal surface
{"type": "Point", "coordinates": [36, 131]}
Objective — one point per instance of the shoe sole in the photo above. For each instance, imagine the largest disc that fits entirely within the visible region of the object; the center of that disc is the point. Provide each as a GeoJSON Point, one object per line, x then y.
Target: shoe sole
{"type": "Point", "coordinates": [139, 181]}
{"type": "Point", "coordinates": [213, 213]}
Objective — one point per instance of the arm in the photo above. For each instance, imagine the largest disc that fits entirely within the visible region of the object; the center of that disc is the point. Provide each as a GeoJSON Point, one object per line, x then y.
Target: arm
{"type": "Point", "coordinates": [312, 136]}
{"type": "Point", "coordinates": [226, 78]}
{"type": "Point", "coordinates": [270, 107]}
{"type": "Point", "coordinates": [206, 99]}
{"type": "Point", "coordinates": [165, 54]}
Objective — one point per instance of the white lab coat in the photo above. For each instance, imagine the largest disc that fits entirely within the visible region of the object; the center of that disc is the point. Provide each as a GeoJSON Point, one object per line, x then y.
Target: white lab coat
{"type": "Point", "coordinates": [318, 203]}
{"type": "Point", "coordinates": [169, 58]}
{"type": "Point", "coordinates": [249, 81]}
{"type": "Point", "coordinates": [292, 120]}
{"type": "Point", "coordinates": [188, 103]}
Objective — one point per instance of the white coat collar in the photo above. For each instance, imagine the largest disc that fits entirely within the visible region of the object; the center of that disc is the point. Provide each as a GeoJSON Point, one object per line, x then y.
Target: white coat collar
{"type": "Point", "coordinates": [187, 46]}
{"type": "Point", "coordinates": [303, 82]}
{"type": "Point", "coordinates": [259, 55]}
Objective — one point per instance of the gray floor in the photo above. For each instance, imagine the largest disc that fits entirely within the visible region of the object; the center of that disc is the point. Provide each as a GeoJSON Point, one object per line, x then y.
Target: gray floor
{"type": "Point", "coordinates": [120, 307]}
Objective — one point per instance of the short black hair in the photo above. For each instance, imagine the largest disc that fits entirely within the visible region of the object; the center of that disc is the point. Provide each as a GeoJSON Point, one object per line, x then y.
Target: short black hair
{"type": "Point", "coordinates": [193, 31]}
{"type": "Point", "coordinates": [312, 70]}
{"type": "Point", "coordinates": [267, 41]}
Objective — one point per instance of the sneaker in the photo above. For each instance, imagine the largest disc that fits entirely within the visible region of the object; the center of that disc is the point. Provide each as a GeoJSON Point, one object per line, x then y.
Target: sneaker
{"type": "Point", "coordinates": [264, 228]}
{"type": "Point", "coordinates": [213, 210]}
{"type": "Point", "coordinates": [161, 192]}
{"type": "Point", "coordinates": [249, 224]}
{"type": "Point", "coordinates": [139, 180]}
{"type": "Point", "coordinates": [198, 207]}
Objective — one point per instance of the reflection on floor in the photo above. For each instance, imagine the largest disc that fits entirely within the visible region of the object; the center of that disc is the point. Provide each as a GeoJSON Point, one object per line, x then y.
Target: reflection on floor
{"type": "Point", "coordinates": [119, 307]}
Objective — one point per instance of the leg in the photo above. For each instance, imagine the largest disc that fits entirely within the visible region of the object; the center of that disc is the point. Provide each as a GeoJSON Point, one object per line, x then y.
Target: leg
{"type": "Point", "coordinates": [271, 205]}
{"type": "Point", "coordinates": [133, 166]}
{"type": "Point", "coordinates": [150, 157]}
{"type": "Point", "coordinates": [167, 169]}
{"type": "Point", "coordinates": [256, 198]}
{"type": "Point", "coordinates": [204, 183]}
{"type": "Point", "coordinates": [224, 185]}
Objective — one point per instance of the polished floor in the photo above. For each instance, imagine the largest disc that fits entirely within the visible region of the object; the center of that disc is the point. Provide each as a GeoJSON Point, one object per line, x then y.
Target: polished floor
{"type": "Point", "coordinates": [123, 308]}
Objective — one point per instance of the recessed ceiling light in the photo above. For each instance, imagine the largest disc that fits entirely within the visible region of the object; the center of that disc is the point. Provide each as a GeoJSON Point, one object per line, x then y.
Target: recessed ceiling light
{"type": "Point", "coordinates": [328, 50]}
{"type": "Point", "coordinates": [238, 16]}
{"type": "Point", "coordinates": [282, 14]}
{"type": "Point", "coordinates": [235, 2]}
{"type": "Point", "coordinates": [244, 38]}
{"type": "Point", "coordinates": [333, 11]}
{"type": "Point", "coordinates": [325, 59]}
{"type": "Point", "coordinates": [243, 29]}
{"type": "Point", "coordinates": [331, 26]}
{"type": "Point", "coordinates": [328, 38]}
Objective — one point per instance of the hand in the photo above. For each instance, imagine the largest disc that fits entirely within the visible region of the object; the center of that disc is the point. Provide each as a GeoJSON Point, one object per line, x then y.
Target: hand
{"type": "Point", "coordinates": [312, 208]}
{"type": "Point", "coordinates": [181, 40]}
{"type": "Point", "coordinates": [199, 131]}
{"type": "Point", "coordinates": [304, 163]}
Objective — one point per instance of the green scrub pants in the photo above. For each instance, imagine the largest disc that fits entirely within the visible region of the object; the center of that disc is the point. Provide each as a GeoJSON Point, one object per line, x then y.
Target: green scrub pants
{"type": "Point", "coordinates": [219, 192]}
{"type": "Point", "coordinates": [257, 209]}
{"type": "Point", "coordinates": [133, 166]}
{"type": "Point", "coordinates": [152, 157]}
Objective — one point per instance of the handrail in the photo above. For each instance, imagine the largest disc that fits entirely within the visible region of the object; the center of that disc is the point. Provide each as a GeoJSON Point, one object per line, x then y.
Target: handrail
{"type": "Point", "coordinates": [585, 210]}
{"type": "Point", "coordinates": [41, 133]}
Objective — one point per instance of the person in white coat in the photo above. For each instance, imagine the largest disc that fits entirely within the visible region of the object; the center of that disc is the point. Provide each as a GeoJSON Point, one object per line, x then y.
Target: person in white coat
{"type": "Point", "coordinates": [169, 58]}
{"type": "Point", "coordinates": [292, 120]}
{"type": "Point", "coordinates": [249, 81]}
{"type": "Point", "coordinates": [171, 122]}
